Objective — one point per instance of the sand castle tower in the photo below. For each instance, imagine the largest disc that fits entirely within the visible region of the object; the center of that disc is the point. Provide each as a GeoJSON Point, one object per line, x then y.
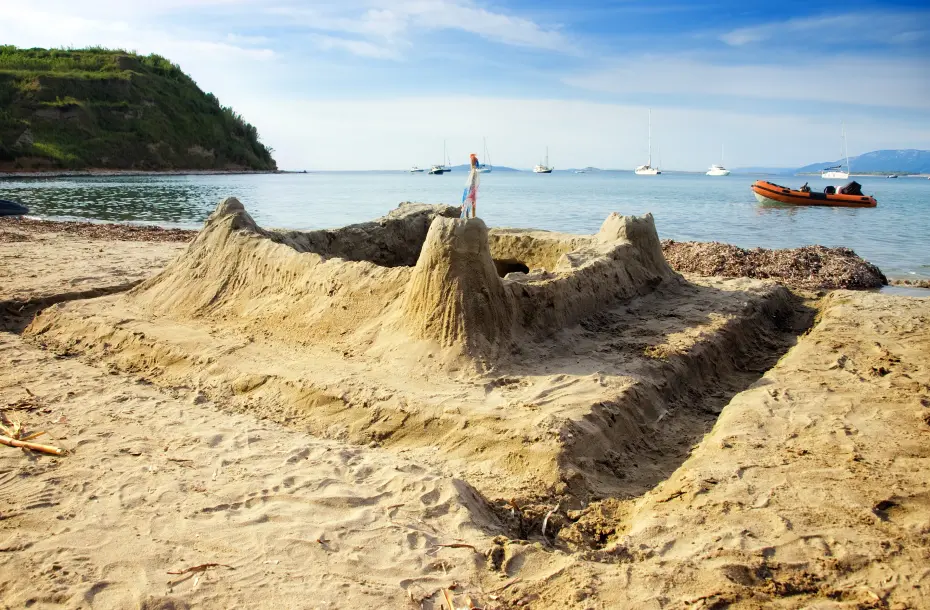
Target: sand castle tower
{"type": "Point", "coordinates": [455, 296]}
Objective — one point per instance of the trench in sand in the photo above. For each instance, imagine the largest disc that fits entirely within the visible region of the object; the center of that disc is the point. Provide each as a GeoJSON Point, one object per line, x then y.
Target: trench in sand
{"type": "Point", "coordinates": [605, 405]}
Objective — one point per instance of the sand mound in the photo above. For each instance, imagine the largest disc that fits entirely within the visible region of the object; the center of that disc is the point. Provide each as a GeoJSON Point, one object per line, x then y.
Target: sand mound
{"type": "Point", "coordinates": [575, 374]}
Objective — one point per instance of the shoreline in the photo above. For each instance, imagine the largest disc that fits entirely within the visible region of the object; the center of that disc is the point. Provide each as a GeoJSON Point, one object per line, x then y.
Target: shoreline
{"type": "Point", "coordinates": [808, 268]}
{"type": "Point", "coordinates": [110, 173]}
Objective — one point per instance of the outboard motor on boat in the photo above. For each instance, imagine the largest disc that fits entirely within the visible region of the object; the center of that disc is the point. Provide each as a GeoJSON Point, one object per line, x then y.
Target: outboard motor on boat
{"type": "Point", "coordinates": [853, 188]}
{"type": "Point", "coordinates": [829, 190]}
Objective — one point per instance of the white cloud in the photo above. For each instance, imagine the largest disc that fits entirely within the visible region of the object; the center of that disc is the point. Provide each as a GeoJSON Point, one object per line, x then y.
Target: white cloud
{"type": "Point", "coordinates": [899, 82]}
{"type": "Point", "coordinates": [390, 24]}
{"type": "Point", "coordinates": [361, 48]}
{"type": "Point", "coordinates": [449, 14]}
{"type": "Point", "coordinates": [889, 27]}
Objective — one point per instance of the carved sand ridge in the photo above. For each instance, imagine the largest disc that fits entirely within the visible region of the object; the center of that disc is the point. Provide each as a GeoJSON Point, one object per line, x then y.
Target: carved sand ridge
{"type": "Point", "coordinates": [550, 380]}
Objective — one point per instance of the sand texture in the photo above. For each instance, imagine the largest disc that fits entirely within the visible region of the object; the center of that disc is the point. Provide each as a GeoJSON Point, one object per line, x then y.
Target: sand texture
{"type": "Point", "coordinates": [811, 491]}
{"type": "Point", "coordinates": [541, 384]}
{"type": "Point", "coordinates": [363, 417]}
{"type": "Point", "coordinates": [31, 271]}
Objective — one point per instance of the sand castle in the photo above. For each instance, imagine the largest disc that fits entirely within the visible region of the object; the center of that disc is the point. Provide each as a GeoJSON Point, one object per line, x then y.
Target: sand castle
{"type": "Point", "coordinates": [538, 363]}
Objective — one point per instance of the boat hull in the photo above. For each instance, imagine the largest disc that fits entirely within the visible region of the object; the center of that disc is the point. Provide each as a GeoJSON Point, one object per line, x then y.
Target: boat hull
{"type": "Point", "coordinates": [768, 192]}
{"type": "Point", "coordinates": [11, 208]}
{"type": "Point", "coordinates": [716, 172]}
{"type": "Point", "coordinates": [835, 175]}
{"type": "Point", "coordinates": [646, 172]}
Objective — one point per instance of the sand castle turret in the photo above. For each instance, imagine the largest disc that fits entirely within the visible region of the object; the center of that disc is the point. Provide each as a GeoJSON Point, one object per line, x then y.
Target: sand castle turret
{"type": "Point", "coordinates": [455, 296]}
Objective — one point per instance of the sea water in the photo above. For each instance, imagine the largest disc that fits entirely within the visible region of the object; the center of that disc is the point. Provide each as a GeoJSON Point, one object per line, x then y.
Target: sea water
{"type": "Point", "coordinates": [895, 235]}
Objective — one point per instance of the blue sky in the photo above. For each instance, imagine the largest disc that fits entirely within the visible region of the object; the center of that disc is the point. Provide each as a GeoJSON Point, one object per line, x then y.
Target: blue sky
{"type": "Point", "coordinates": [381, 84]}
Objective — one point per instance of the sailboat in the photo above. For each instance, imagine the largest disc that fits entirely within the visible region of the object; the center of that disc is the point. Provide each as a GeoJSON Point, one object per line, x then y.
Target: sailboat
{"type": "Point", "coordinates": [836, 172]}
{"type": "Point", "coordinates": [440, 168]}
{"type": "Point", "coordinates": [485, 168]}
{"type": "Point", "coordinates": [543, 168]}
{"type": "Point", "coordinates": [718, 170]}
{"type": "Point", "coordinates": [648, 170]}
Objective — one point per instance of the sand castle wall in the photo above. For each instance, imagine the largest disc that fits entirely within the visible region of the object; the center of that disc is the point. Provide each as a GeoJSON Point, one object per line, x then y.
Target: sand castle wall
{"type": "Point", "coordinates": [289, 284]}
{"type": "Point", "coordinates": [443, 354]}
{"type": "Point", "coordinates": [418, 273]}
{"type": "Point", "coordinates": [624, 259]}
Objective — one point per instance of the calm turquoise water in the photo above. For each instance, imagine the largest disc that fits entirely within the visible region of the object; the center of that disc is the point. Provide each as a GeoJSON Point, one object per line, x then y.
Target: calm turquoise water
{"type": "Point", "coordinates": [686, 207]}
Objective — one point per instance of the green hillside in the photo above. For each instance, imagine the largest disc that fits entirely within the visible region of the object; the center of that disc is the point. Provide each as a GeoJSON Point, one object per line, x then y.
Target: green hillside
{"type": "Point", "coordinates": [99, 108]}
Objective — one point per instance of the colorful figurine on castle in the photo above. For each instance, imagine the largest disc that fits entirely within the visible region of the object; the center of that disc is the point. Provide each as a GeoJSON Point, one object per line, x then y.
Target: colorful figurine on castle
{"type": "Point", "coordinates": [470, 194]}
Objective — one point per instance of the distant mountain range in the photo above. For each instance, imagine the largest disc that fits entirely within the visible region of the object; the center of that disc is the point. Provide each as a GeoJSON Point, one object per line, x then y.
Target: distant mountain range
{"type": "Point", "coordinates": [905, 161]}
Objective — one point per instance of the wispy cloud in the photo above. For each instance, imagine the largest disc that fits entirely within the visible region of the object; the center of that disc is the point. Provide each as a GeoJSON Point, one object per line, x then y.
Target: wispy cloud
{"type": "Point", "coordinates": [387, 27]}
{"type": "Point", "coordinates": [360, 48]}
{"type": "Point", "coordinates": [895, 82]}
{"type": "Point", "coordinates": [887, 27]}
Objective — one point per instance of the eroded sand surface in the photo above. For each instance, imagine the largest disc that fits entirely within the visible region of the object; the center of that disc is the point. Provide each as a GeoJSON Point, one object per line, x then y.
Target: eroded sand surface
{"type": "Point", "coordinates": [37, 266]}
{"type": "Point", "coordinates": [811, 490]}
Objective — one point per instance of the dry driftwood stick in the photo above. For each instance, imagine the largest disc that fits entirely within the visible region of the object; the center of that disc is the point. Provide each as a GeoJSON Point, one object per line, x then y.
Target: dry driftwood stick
{"type": "Point", "coordinates": [457, 545]}
{"type": "Point", "coordinates": [507, 584]}
{"type": "Point", "coordinates": [448, 596]}
{"type": "Point", "coordinates": [203, 568]}
{"type": "Point", "coordinates": [12, 442]}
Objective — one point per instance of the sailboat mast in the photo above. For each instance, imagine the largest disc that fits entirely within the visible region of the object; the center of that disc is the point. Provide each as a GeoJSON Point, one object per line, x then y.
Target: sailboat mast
{"type": "Point", "coordinates": [650, 138]}
{"type": "Point", "coordinates": [547, 156]}
{"type": "Point", "coordinates": [846, 148]}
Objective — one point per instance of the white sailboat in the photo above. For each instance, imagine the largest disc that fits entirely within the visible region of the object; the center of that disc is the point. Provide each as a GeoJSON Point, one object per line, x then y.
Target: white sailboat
{"type": "Point", "coordinates": [486, 167]}
{"type": "Point", "coordinates": [543, 168]}
{"type": "Point", "coordinates": [648, 170]}
{"type": "Point", "coordinates": [836, 172]}
{"type": "Point", "coordinates": [440, 168]}
{"type": "Point", "coordinates": [416, 170]}
{"type": "Point", "coordinates": [718, 170]}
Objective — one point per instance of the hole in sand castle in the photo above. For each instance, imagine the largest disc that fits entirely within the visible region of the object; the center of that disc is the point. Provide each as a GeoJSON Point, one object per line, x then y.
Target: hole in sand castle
{"type": "Point", "coordinates": [509, 265]}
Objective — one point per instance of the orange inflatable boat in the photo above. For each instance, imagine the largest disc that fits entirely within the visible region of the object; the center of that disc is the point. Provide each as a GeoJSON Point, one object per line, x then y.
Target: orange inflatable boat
{"type": "Point", "coordinates": [850, 196]}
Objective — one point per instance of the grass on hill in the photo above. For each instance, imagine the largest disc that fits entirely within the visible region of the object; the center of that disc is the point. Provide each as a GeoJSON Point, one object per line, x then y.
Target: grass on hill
{"type": "Point", "coordinates": [101, 108]}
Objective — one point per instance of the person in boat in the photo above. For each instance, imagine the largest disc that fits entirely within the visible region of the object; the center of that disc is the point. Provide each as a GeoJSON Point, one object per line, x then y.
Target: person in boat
{"type": "Point", "coordinates": [470, 194]}
{"type": "Point", "coordinates": [805, 188]}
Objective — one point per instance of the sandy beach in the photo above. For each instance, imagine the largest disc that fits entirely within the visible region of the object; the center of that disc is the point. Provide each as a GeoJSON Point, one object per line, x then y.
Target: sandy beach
{"type": "Point", "coordinates": [303, 423]}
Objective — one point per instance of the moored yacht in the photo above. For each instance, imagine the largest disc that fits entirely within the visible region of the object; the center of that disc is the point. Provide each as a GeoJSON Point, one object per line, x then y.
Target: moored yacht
{"type": "Point", "coordinates": [718, 170]}
{"type": "Point", "coordinates": [440, 168]}
{"type": "Point", "coordinates": [836, 172]}
{"type": "Point", "coordinates": [486, 167]}
{"type": "Point", "coordinates": [648, 170]}
{"type": "Point", "coordinates": [543, 168]}
{"type": "Point", "coordinates": [416, 170]}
